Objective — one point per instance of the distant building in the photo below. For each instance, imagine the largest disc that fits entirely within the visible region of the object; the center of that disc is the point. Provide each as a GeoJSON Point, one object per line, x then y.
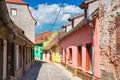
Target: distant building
{"type": "Point", "coordinates": [54, 48]}
{"type": "Point", "coordinates": [47, 55]}
{"type": "Point", "coordinates": [38, 48]}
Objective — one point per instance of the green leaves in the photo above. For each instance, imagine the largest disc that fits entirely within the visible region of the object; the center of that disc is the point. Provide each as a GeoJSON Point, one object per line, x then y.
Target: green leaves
{"type": "Point", "coordinates": [118, 13]}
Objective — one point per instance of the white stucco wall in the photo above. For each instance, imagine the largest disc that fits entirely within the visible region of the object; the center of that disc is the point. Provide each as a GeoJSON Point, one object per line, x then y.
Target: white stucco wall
{"type": "Point", "coordinates": [4, 59]}
{"type": "Point", "coordinates": [23, 19]}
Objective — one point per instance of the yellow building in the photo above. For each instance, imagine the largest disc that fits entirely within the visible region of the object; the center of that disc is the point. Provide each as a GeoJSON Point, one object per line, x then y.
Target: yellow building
{"type": "Point", "coordinates": [53, 49]}
{"type": "Point", "coordinates": [47, 56]}
{"type": "Point", "coordinates": [55, 53]}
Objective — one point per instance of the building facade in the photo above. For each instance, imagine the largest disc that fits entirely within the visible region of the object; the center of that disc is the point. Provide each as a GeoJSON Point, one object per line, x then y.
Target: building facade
{"type": "Point", "coordinates": [81, 42]}
{"type": "Point", "coordinates": [16, 50]}
{"type": "Point", "coordinates": [47, 55]}
{"type": "Point", "coordinates": [38, 49]}
{"type": "Point", "coordinates": [20, 14]}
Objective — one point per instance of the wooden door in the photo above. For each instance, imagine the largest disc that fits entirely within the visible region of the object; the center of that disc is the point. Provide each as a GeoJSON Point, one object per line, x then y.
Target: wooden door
{"type": "Point", "coordinates": [1, 58]}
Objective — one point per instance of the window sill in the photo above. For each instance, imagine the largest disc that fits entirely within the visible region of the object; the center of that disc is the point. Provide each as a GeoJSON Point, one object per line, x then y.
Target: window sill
{"type": "Point", "coordinates": [70, 62]}
{"type": "Point", "coordinates": [79, 68]}
{"type": "Point", "coordinates": [89, 72]}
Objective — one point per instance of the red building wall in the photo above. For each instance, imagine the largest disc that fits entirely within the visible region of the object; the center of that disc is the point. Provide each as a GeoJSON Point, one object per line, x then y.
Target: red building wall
{"type": "Point", "coordinates": [82, 37]}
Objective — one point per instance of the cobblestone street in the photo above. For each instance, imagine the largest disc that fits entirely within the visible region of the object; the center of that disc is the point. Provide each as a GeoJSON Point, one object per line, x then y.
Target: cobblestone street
{"type": "Point", "coordinates": [48, 71]}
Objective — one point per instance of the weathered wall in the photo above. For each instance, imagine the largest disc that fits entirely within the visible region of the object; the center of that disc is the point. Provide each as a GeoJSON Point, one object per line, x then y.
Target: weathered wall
{"type": "Point", "coordinates": [107, 14]}
{"type": "Point", "coordinates": [23, 19]}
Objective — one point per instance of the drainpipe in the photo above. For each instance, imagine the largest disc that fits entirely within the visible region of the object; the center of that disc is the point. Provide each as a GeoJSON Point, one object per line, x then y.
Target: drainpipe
{"type": "Point", "coordinates": [93, 55]}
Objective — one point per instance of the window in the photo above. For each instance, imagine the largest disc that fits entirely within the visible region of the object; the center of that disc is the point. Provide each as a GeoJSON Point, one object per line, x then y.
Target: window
{"type": "Point", "coordinates": [89, 57]}
{"type": "Point", "coordinates": [70, 55]}
{"type": "Point", "coordinates": [14, 12]}
{"type": "Point", "coordinates": [79, 56]}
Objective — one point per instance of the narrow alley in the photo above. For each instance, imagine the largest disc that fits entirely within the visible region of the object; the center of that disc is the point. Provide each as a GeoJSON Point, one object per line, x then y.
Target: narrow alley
{"type": "Point", "coordinates": [59, 39]}
{"type": "Point", "coordinates": [48, 71]}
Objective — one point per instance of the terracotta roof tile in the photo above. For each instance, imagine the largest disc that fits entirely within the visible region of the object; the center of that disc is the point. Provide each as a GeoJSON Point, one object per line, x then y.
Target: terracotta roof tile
{"type": "Point", "coordinates": [55, 41]}
{"type": "Point", "coordinates": [16, 1]}
{"type": "Point", "coordinates": [41, 37]}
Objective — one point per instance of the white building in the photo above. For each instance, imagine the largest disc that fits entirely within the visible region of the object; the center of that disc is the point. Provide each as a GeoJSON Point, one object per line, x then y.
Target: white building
{"type": "Point", "coordinates": [20, 14]}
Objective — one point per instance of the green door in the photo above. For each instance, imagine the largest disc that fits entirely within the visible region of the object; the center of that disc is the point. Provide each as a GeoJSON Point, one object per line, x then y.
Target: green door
{"type": "Point", "coordinates": [1, 58]}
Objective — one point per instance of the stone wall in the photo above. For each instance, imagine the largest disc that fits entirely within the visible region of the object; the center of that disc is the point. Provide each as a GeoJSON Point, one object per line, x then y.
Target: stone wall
{"type": "Point", "coordinates": [107, 16]}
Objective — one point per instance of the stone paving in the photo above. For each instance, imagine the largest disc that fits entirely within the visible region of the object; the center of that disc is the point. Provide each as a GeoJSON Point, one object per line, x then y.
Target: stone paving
{"type": "Point", "coordinates": [48, 71]}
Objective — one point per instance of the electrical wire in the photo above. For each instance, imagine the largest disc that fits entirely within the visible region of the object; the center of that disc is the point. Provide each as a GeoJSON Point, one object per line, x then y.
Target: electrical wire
{"type": "Point", "coordinates": [57, 16]}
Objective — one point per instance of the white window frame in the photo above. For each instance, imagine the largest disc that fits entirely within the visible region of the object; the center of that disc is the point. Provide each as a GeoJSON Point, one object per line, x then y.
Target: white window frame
{"type": "Point", "coordinates": [13, 11]}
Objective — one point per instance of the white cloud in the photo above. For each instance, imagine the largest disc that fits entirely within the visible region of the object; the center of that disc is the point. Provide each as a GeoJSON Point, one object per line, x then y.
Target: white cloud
{"type": "Point", "coordinates": [65, 17]}
{"type": "Point", "coordinates": [45, 14]}
{"type": "Point", "coordinates": [71, 9]}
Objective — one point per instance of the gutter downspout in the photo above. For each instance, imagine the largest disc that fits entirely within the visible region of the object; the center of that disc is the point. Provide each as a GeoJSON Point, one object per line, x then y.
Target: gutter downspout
{"type": "Point", "coordinates": [93, 55]}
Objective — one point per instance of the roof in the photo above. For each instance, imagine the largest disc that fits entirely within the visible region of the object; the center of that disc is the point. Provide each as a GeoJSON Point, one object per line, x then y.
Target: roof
{"type": "Point", "coordinates": [21, 2]}
{"type": "Point", "coordinates": [20, 33]}
{"type": "Point", "coordinates": [70, 19]}
{"type": "Point", "coordinates": [10, 25]}
{"type": "Point", "coordinates": [85, 3]}
{"type": "Point", "coordinates": [41, 37]}
{"type": "Point", "coordinates": [54, 41]}
{"type": "Point", "coordinates": [64, 26]}
{"type": "Point", "coordinates": [82, 23]}
{"type": "Point", "coordinates": [16, 1]}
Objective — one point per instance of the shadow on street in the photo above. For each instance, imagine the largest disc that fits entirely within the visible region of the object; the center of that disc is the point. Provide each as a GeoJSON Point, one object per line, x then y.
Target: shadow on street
{"type": "Point", "coordinates": [32, 74]}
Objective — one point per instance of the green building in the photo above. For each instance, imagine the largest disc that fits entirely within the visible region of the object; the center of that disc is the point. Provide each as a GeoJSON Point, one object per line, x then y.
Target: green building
{"type": "Point", "coordinates": [38, 48]}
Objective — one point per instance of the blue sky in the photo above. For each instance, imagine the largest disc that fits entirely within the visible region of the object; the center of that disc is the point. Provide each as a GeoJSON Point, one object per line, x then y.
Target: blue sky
{"type": "Point", "coordinates": [45, 12]}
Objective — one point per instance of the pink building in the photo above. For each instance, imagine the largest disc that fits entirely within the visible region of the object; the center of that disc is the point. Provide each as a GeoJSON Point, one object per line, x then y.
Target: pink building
{"type": "Point", "coordinates": [80, 42]}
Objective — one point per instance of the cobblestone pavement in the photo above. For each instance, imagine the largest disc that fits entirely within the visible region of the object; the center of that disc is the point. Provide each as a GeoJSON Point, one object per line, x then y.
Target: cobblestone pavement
{"type": "Point", "coordinates": [48, 71]}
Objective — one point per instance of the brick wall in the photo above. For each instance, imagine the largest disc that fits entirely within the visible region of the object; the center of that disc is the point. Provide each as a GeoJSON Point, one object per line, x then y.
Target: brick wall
{"type": "Point", "coordinates": [107, 15]}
